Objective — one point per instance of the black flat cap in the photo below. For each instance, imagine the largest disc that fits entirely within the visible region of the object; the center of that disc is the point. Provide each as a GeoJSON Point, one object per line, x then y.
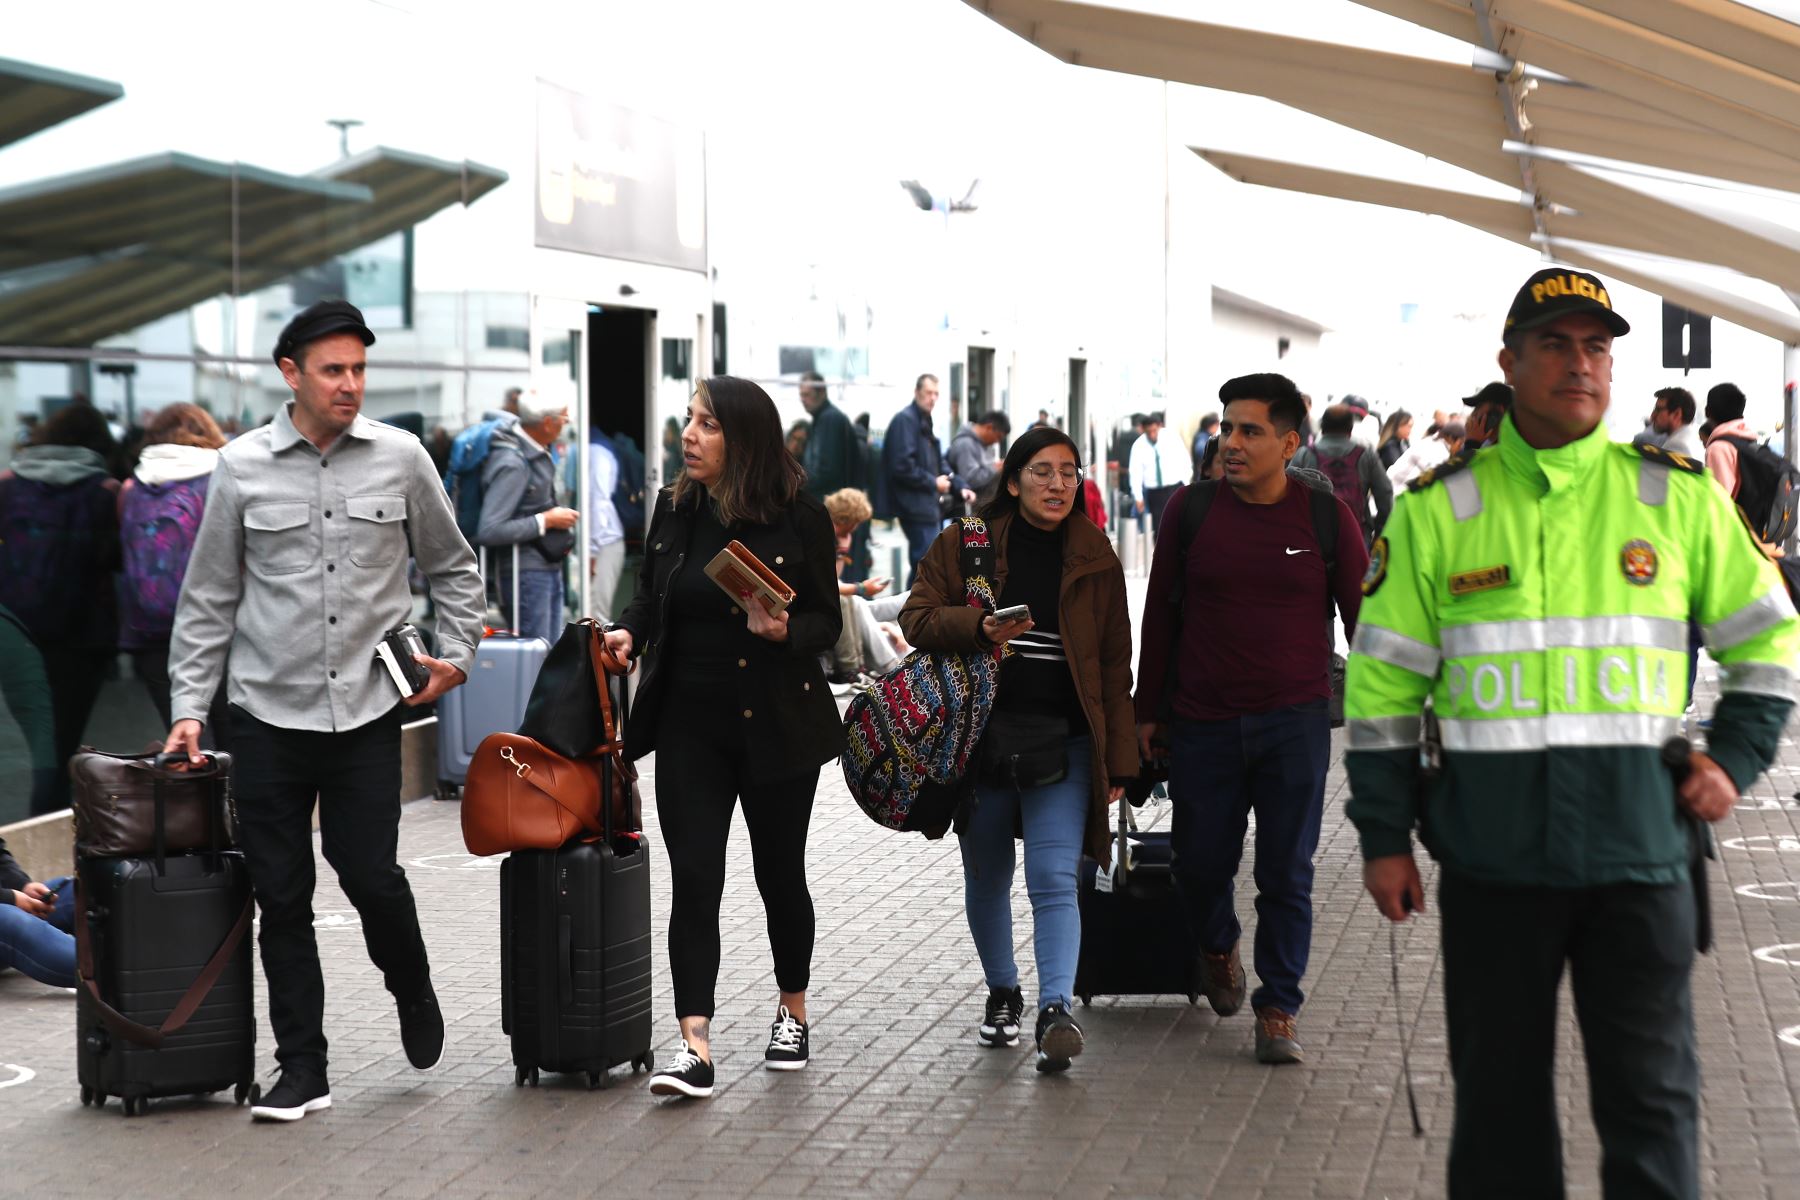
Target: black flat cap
{"type": "Point", "coordinates": [1493, 393]}
{"type": "Point", "coordinates": [318, 320]}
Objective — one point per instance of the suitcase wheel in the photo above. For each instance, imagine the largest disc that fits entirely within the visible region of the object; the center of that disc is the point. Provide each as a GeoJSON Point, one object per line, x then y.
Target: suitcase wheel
{"type": "Point", "coordinates": [519, 1076]}
{"type": "Point", "coordinates": [135, 1105]}
{"type": "Point", "coordinates": [448, 791]}
{"type": "Point", "coordinates": [533, 1077]}
{"type": "Point", "coordinates": [643, 1062]}
{"type": "Point", "coordinates": [87, 1095]}
{"type": "Point", "coordinates": [242, 1094]}
{"type": "Point", "coordinates": [594, 1078]}
{"type": "Point", "coordinates": [1086, 1000]}
{"type": "Point", "coordinates": [1194, 998]}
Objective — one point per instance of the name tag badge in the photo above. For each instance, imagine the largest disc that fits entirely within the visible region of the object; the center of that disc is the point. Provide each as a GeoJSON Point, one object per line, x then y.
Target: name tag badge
{"type": "Point", "coordinates": [1486, 579]}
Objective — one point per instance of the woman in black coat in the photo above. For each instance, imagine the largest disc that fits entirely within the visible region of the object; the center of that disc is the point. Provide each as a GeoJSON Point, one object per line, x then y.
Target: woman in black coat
{"type": "Point", "coordinates": [734, 702]}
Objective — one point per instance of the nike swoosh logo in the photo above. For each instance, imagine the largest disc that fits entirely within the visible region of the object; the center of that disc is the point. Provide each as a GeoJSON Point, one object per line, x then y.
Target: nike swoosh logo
{"type": "Point", "coordinates": [1292, 551]}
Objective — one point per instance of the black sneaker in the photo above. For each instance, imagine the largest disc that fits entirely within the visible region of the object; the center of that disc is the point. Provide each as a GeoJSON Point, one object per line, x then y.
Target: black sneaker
{"type": "Point", "coordinates": [422, 1030]}
{"type": "Point", "coordinates": [1058, 1039]}
{"type": "Point", "coordinates": [686, 1075]}
{"type": "Point", "coordinates": [1000, 1026]}
{"type": "Point", "coordinates": [787, 1043]}
{"type": "Point", "coordinates": [292, 1097]}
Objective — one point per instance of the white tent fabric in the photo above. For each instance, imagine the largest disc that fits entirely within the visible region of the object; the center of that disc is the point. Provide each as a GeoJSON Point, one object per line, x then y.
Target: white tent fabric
{"type": "Point", "coordinates": [1706, 87]}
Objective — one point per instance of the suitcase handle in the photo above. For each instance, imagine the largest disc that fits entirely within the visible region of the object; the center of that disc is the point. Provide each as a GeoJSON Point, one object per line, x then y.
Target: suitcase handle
{"type": "Point", "coordinates": [190, 1000]}
{"type": "Point", "coordinates": [565, 958]}
{"type": "Point", "coordinates": [162, 770]}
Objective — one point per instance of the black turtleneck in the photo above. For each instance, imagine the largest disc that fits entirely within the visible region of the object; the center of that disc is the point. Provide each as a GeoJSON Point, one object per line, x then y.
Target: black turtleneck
{"type": "Point", "coordinates": [1035, 677]}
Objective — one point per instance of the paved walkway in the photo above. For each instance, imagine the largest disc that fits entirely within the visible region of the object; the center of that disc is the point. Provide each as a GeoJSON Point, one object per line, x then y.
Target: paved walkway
{"type": "Point", "coordinates": [899, 1100]}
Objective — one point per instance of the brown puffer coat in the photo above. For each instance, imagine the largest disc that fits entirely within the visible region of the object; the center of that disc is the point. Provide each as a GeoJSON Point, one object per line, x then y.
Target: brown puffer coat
{"type": "Point", "coordinates": [1096, 633]}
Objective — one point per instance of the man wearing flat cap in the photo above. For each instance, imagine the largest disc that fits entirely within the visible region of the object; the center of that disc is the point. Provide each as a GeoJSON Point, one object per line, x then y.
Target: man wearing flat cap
{"type": "Point", "coordinates": [1538, 592]}
{"type": "Point", "coordinates": [299, 569]}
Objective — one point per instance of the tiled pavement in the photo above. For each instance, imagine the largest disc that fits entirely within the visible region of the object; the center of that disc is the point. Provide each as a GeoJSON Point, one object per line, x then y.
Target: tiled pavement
{"type": "Point", "coordinates": [899, 1100]}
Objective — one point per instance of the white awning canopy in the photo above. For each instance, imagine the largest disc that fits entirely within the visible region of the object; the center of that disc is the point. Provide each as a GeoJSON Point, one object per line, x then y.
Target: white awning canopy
{"type": "Point", "coordinates": [1704, 87]}
{"type": "Point", "coordinates": [33, 98]}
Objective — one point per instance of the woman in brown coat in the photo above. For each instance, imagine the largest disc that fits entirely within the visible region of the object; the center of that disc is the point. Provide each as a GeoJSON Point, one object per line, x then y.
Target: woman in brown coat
{"type": "Point", "coordinates": [1060, 744]}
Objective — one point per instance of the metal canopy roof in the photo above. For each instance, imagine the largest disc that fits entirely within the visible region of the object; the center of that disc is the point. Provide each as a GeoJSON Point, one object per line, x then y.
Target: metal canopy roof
{"type": "Point", "coordinates": [1697, 86]}
{"type": "Point", "coordinates": [34, 98]}
{"type": "Point", "coordinates": [87, 256]}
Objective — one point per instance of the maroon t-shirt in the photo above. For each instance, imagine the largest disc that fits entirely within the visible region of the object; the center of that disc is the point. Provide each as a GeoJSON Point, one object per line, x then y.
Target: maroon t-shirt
{"type": "Point", "coordinates": [1254, 636]}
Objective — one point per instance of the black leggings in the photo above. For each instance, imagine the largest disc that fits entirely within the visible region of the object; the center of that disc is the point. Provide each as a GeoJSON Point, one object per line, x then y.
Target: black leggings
{"type": "Point", "coordinates": [700, 776]}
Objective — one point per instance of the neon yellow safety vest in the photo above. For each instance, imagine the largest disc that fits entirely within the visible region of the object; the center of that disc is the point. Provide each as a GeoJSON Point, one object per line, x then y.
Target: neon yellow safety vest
{"type": "Point", "coordinates": [1542, 599]}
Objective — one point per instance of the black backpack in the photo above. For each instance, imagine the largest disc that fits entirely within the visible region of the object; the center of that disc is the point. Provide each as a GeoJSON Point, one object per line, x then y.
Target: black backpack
{"type": "Point", "coordinates": [1195, 503]}
{"type": "Point", "coordinates": [1768, 490]}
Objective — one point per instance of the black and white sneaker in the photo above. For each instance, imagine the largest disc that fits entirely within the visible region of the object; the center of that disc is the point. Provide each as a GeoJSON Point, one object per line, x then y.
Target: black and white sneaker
{"type": "Point", "coordinates": [292, 1097]}
{"type": "Point", "coordinates": [1000, 1026]}
{"type": "Point", "coordinates": [686, 1075]}
{"type": "Point", "coordinates": [787, 1043]}
{"type": "Point", "coordinates": [1059, 1039]}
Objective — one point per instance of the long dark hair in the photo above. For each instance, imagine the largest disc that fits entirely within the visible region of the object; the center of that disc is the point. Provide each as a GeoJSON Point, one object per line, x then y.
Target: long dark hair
{"type": "Point", "coordinates": [760, 478]}
{"type": "Point", "coordinates": [1026, 448]}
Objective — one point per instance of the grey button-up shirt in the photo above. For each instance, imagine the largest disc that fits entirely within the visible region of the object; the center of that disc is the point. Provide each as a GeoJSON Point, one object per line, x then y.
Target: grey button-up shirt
{"type": "Point", "coordinates": [300, 568]}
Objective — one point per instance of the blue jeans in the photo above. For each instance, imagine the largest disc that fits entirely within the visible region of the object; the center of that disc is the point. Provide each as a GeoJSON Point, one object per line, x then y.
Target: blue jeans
{"type": "Point", "coordinates": [919, 536]}
{"type": "Point", "coordinates": [43, 949]}
{"type": "Point", "coordinates": [540, 603]}
{"type": "Point", "coordinates": [1219, 771]}
{"type": "Point", "coordinates": [1054, 818]}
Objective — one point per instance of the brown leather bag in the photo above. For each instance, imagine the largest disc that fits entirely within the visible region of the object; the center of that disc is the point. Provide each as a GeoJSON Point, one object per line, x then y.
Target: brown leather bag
{"type": "Point", "coordinates": [522, 795]}
{"type": "Point", "coordinates": [127, 805]}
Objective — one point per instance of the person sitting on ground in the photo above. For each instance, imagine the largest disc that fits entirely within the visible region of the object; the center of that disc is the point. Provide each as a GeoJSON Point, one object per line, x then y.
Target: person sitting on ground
{"type": "Point", "coordinates": [1427, 453]}
{"type": "Point", "coordinates": [871, 642]}
{"type": "Point", "coordinates": [37, 924]}
{"type": "Point", "coordinates": [1065, 693]}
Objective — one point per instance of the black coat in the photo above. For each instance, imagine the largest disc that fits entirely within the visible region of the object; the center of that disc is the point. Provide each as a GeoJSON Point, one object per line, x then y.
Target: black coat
{"type": "Point", "coordinates": [791, 721]}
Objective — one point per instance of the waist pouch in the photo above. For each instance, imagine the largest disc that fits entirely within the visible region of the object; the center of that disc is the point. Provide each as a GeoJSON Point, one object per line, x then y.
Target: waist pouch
{"type": "Point", "coordinates": [1024, 750]}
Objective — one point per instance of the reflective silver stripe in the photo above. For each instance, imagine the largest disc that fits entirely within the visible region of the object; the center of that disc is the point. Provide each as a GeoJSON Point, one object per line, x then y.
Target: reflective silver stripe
{"type": "Point", "coordinates": [1383, 733]}
{"type": "Point", "coordinates": [1396, 649]}
{"type": "Point", "coordinates": [1758, 616]}
{"type": "Point", "coordinates": [1558, 730]}
{"type": "Point", "coordinates": [1517, 637]}
{"type": "Point", "coordinates": [1653, 482]}
{"type": "Point", "coordinates": [1761, 679]}
{"type": "Point", "coordinates": [1465, 494]}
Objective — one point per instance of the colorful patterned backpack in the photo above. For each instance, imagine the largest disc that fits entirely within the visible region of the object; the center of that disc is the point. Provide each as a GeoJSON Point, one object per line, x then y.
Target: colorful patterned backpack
{"type": "Point", "coordinates": [910, 734]}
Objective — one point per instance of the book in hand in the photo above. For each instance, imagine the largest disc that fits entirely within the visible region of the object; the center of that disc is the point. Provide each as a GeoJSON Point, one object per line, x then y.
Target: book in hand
{"type": "Point", "coordinates": [737, 571]}
{"type": "Point", "coordinates": [395, 652]}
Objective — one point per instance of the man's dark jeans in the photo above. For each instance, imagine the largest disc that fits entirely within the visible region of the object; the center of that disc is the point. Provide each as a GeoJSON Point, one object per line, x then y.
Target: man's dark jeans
{"type": "Point", "coordinates": [1630, 950]}
{"type": "Point", "coordinates": [919, 536]}
{"type": "Point", "coordinates": [355, 774]}
{"type": "Point", "coordinates": [1219, 771]}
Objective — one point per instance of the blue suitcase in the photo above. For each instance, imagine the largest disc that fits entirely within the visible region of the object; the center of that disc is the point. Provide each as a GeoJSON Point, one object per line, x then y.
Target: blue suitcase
{"type": "Point", "coordinates": [492, 701]}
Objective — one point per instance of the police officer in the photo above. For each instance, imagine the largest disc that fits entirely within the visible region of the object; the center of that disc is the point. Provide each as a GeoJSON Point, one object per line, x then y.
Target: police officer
{"type": "Point", "coordinates": [1538, 592]}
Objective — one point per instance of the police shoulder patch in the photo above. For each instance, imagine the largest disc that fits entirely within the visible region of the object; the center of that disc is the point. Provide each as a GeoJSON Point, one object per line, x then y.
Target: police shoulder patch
{"type": "Point", "coordinates": [1657, 454]}
{"type": "Point", "coordinates": [1456, 462]}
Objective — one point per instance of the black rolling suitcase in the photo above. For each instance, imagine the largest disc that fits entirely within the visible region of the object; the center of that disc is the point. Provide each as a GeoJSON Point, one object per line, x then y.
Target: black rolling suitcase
{"type": "Point", "coordinates": [1134, 930]}
{"type": "Point", "coordinates": [166, 1005]}
{"type": "Point", "coordinates": [575, 954]}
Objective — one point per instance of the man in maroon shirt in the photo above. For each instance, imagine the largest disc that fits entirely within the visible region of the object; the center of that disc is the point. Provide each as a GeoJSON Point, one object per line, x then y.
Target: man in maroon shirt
{"type": "Point", "coordinates": [1239, 680]}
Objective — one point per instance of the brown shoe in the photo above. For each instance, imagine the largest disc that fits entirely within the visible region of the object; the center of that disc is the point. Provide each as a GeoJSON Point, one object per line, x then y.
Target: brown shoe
{"type": "Point", "coordinates": [1277, 1037]}
{"type": "Point", "coordinates": [1222, 981]}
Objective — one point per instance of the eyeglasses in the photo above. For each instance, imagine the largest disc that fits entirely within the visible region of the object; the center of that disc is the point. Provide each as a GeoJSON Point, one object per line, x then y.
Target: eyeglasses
{"type": "Point", "coordinates": [1042, 473]}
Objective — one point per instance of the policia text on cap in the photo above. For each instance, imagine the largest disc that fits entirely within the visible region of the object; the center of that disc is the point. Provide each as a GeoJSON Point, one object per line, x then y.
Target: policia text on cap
{"type": "Point", "coordinates": [1538, 592]}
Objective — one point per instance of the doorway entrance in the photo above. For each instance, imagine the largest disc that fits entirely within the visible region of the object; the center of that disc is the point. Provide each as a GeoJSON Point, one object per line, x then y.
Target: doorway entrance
{"type": "Point", "coordinates": [619, 397]}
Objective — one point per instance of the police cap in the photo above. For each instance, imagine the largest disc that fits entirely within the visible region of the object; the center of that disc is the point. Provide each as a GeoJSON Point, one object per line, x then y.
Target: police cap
{"type": "Point", "coordinates": [1557, 292]}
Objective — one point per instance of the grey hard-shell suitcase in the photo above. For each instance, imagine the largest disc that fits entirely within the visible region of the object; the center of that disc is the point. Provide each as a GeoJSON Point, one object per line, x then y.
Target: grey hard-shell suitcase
{"type": "Point", "coordinates": [492, 701]}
